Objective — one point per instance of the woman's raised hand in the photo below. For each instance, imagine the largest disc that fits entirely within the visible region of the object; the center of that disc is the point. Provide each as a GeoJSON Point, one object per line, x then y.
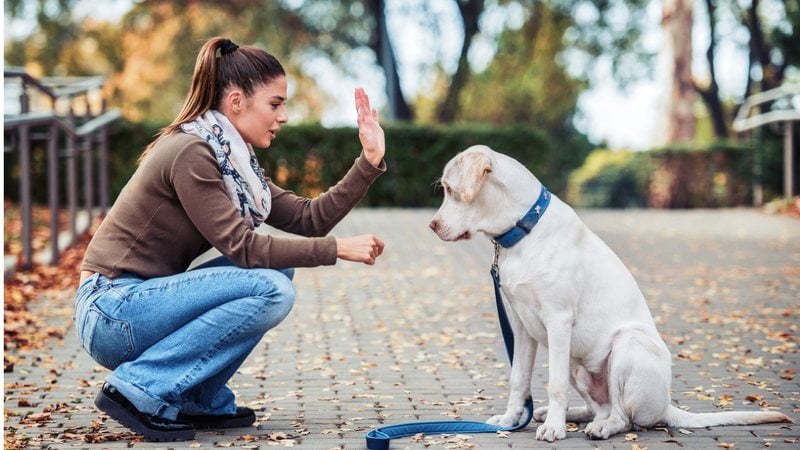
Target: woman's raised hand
{"type": "Point", "coordinates": [370, 132]}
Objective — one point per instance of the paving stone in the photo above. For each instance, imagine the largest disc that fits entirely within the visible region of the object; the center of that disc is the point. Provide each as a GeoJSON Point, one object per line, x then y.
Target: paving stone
{"type": "Point", "coordinates": [415, 338]}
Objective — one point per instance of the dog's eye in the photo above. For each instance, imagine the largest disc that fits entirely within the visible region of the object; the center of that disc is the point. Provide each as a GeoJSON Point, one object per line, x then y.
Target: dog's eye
{"type": "Point", "coordinates": [448, 190]}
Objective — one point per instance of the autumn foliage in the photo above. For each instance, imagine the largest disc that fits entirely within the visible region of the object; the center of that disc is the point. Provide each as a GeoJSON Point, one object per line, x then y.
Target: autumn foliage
{"type": "Point", "coordinates": [24, 328]}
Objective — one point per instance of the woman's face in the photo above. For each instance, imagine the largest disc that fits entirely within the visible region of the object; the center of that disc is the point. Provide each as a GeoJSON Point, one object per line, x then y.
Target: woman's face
{"type": "Point", "coordinates": [259, 117]}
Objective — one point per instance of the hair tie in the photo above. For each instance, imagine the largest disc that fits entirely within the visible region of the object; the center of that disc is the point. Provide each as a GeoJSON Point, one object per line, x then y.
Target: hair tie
{"type": "Point", "coordinates": [228, 47]}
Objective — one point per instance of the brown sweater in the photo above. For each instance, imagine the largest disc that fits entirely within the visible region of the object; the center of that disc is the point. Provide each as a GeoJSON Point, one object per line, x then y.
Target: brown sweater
{"type": "Point", "coordinates": [175, 207]}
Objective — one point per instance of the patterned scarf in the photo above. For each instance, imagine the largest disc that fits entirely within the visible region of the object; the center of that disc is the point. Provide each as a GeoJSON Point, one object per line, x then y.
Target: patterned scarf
{"type": "Point", "coordinates": [244, 179]}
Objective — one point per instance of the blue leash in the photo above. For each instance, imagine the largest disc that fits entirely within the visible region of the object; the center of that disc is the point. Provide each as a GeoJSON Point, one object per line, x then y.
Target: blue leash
{"type": "Point", "coordinates": [379, 438]}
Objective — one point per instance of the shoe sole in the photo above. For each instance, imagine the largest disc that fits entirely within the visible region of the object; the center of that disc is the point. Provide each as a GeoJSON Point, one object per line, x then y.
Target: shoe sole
{"type": "Point", "coordinates": [220, 424]}
{"type": "Point", "coordinates": [241, 423]}
{"type": "Point", "coordinates": [123, 416]}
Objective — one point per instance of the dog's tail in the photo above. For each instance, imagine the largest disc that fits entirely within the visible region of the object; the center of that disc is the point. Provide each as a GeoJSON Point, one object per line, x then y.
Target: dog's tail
{"type": "Point", "coordinates": [679, 418]}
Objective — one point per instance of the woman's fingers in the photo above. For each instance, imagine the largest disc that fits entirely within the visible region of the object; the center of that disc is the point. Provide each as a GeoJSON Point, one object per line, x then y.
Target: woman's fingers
{"type": "Point", "coordinates": [364, 248]}
{"type": "Point", "coordinates": [378, 246]}
{"type": "Point", "coordinates": [370, 132]}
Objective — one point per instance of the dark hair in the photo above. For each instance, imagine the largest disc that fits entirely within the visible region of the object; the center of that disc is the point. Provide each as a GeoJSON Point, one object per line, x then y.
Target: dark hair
{"type": "Point", "coordinates": [244, 67]}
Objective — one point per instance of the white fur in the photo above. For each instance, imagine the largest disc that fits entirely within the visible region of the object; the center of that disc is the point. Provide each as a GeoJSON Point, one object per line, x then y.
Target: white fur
{"type": "Point", "coordinates": [565, 289]}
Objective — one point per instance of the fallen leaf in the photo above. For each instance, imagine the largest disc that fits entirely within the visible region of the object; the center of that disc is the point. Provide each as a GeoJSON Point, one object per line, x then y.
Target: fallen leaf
{"type": "Point", "coordinates": [725, 400]}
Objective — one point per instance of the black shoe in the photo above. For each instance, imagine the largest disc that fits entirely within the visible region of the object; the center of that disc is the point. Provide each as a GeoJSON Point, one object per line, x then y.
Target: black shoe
{"type": "Point", "coordinates": [244, 417]}
{"type": "Point", "coordinates": [153, 428]}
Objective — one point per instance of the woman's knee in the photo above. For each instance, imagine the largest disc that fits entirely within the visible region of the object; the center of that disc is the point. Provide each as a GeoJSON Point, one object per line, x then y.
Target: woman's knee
{"type": "Point", "coordinates": [277, 294]}
{"type": "Point", "coordinates": [284, 292]}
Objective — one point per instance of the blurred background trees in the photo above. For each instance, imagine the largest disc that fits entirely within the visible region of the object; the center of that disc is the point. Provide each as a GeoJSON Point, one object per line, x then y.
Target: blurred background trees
{"type": "Point", "coordinates": [502, 62]}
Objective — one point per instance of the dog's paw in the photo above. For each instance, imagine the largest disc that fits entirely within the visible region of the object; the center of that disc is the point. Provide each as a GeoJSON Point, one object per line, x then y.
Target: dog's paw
{"type": "Point", "coordinates": [550, 432]}
{"type": "Point", "coordinates": [509, 419]}
{"type": "Point", "coordinates": [599, 429]}
{"type": "Point", "coordinates": [540, 413]}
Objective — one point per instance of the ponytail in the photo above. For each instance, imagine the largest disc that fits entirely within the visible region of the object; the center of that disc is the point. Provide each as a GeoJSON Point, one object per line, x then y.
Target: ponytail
{"type": "Point", "coordinates": [243, 67]}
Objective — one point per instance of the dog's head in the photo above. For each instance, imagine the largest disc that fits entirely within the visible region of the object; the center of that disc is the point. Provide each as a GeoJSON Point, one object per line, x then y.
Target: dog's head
{"type": "Point", "coordinates": [465, 201]}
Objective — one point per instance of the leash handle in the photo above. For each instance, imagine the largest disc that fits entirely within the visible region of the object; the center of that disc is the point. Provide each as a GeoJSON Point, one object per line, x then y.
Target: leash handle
{"type": "Point", "coordinates": [379, 438]}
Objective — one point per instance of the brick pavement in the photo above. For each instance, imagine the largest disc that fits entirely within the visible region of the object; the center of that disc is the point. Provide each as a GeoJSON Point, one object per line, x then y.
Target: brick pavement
{"type": "Point", "coordinates": [415, 338]}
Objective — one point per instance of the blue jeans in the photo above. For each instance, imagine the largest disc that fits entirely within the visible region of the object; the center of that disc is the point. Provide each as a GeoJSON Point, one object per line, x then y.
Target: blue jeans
{"type": "Point", "coordinates": [173, 343]}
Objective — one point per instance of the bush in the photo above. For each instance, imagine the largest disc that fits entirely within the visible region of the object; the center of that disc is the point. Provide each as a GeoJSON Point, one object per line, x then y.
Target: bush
{"type": "Point", "coordinates": [415, 158]}
{"type": "Point", "coordinates": [715, 176]}
{"type": "Point", "coordinates": [673, 177]}
{"type": "Point", "coordinates": [609, 179]}
{"type": "Point", "coordinates": [310, 158]}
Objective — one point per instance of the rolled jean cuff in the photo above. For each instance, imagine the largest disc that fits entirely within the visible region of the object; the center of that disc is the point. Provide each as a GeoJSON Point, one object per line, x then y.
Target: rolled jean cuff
{"type": "Point", "coordinates": [143, 401]}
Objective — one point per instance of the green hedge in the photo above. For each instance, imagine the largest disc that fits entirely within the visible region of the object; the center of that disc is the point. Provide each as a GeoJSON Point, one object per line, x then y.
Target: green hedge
{"type": "Point", "coordinates": [309, 158]}
{"type": "Point", "coordinates": [610, 179]}
{"type": "Point", "coordinates": [719, 175]}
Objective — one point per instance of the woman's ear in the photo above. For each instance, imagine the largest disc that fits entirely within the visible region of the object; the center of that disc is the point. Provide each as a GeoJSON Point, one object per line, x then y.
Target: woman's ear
{"type": "Point", "coordinates": [233, 101]}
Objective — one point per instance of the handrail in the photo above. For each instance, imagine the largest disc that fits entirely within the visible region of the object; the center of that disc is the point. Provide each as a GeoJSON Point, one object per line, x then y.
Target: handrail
{"type": "Point", "coordinates": [98, 122]}
{"type": "Point", "coordinates": [20, 72]}
{"type": "Point", "coordinates": [72, 86]}
{"type": "Point", "coordinates": [86, 144]}
{"type": "Point", "coordinates": [33, 119]}
{"type": "Point", "coordinates": [44, 118]}
{"type": "Point", "coordinates": [743, 123]}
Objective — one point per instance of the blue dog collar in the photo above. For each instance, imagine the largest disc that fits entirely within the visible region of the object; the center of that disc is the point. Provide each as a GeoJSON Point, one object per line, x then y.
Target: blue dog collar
{"type": "Point", "coordinates": [528, 221]}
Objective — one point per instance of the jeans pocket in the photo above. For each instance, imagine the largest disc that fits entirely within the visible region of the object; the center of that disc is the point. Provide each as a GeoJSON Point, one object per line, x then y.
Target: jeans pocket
{"type": "Point", "coordinates": [107, 340]}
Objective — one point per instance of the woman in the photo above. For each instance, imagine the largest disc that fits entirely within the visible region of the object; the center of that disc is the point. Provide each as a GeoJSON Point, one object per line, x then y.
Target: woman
{"type": "Point", "coordinates": [172, 337]}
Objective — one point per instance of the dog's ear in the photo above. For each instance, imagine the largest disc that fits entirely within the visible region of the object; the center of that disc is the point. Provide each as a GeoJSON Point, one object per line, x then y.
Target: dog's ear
{"type": "Point", "coordinates": [476, 166]}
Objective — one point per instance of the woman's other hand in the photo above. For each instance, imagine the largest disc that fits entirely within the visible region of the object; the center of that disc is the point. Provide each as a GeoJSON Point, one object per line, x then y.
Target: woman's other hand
{"type": "Point", "coordinates": [365, 248]}
{"type": "Point", "coordinates": [370, 132]}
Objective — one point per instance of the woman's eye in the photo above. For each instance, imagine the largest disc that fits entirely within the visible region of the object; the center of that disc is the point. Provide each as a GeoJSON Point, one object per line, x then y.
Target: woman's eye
{"type": "Point", "coordinates": [448, 190]}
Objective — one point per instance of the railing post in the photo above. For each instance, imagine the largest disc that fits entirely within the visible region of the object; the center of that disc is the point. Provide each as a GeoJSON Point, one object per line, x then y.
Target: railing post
{"type": "Point", "coordinates": [52, 191]}
{"type": "Point", "coordinates": [24, 99]}
{"type": "Point", "coordinates": [103, 135]}
{"type": "Point", "coordinates": [72, 177]}
{"type": "Point", "coordinates": [788, 160]}
{"type": "Point", "coordinates": [25, 195]}
{"type": "Point", "coordinates": [104, 170]}
{"type": "Point", "coordinates": [88, 176]}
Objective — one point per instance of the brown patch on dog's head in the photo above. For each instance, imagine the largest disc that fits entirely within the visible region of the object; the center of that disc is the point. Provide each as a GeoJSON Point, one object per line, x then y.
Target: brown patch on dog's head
{"type": "Point", "coordinates": [475, 167]}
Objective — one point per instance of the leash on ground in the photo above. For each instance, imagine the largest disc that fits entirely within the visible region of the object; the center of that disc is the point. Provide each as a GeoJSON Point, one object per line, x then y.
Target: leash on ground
{"type": "Point", "coordinates": [379, 438]}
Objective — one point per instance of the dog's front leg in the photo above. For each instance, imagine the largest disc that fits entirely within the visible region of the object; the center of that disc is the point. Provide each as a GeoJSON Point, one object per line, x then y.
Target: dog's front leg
{"type": "Point", "coordinates": [521, 370]}
{"type": "Point", "coordinates": [559, 329]}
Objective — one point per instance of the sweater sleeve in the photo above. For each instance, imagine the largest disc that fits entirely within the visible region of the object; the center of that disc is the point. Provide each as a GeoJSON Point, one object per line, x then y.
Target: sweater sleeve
{"type": "Point", "coordinates": [200, 189]}
{"type": "Point", "coordinates": [316, 217]}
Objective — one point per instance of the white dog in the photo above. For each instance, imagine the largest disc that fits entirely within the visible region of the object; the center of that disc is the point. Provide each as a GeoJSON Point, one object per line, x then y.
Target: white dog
{"type": "Point", "coordinates": [565, 289]}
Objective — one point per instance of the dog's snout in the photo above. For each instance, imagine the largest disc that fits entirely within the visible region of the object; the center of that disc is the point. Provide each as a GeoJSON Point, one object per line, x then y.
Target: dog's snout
{"type": "Point", "coordinates": [434, 224]}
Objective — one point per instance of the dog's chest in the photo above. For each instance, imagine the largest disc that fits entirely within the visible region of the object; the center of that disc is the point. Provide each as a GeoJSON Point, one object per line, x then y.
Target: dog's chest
{"type": "Point", "coordinates": [533, 285]}
{"type": "Point", "coordinates": [527, 307]}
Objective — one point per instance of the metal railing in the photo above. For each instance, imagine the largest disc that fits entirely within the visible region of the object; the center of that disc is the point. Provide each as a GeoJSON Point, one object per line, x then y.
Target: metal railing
{"type": "Point", "coordinates": [67, 136]}
{"type": "Point", "coordinates": [785, 107]}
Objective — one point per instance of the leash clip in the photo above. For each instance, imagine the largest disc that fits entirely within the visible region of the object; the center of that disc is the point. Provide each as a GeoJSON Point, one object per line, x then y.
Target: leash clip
{"type": "Point", "coordinates": [496, 260]}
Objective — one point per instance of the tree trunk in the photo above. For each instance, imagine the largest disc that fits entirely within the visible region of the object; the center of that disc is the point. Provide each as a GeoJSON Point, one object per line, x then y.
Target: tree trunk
{"type": "Point", "coordinates": [710, 94]}
{"type": "Point", "coordinates": [398, 107]}
{"type": "Point", "coordinates": [470, 13]}
{"type": "Point", "coordinates": [760, 50]}
{"type": "Point", "coordinates": [677, 25]}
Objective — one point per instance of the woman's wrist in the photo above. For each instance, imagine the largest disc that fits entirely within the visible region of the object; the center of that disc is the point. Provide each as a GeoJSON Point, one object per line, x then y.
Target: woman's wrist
{"type": "Point", "coordinates": [373, 158]}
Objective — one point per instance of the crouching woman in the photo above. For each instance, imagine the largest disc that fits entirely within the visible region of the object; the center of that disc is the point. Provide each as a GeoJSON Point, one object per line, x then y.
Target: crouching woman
{"type": "Point", "coordinates": [173, 337]}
